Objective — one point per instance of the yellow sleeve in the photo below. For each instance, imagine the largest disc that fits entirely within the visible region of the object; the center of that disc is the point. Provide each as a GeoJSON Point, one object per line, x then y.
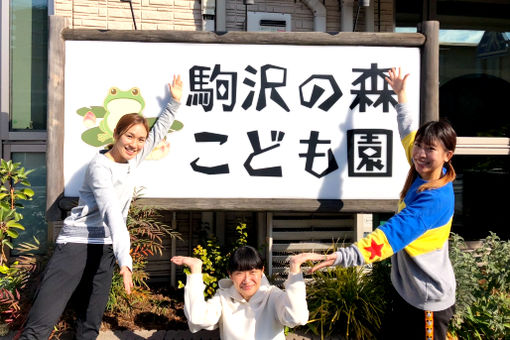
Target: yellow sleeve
{"type": "Point", "coordinates": [408, 142]}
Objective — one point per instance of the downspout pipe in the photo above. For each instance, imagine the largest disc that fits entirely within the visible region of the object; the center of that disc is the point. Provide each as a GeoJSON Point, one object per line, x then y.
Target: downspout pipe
{"type": "Point", "coordinates": [319, 14]}
{"type": "Point", "coordinates": [369, 18]}
{"type": "Point", "coordinates": [221, 16]}
{"type": "Point", "coordinates": [346, 23]}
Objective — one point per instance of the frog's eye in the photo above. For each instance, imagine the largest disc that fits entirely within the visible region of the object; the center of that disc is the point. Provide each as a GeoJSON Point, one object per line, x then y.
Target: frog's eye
{"type": "Point", "coordinates": [135, 91]}
{"type": "Point", "coordinates": [113, 91]}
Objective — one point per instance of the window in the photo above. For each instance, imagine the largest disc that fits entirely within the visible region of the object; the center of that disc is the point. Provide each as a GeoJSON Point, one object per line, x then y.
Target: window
{"type": "Point", "coordinates": [481, 195]}
{"type": "Point", "coordinates": [34, 210]}
{"type": "Point", "coordinates": [474, 75]}
{"type": "Point", "coordinates": [28, 64]}
{"type": "Point", "coordinates": [23, 102]}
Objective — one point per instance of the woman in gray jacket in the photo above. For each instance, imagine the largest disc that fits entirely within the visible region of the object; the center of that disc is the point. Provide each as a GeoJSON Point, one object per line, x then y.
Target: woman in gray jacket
{"type": "Point", "coordinates": [95, 233]}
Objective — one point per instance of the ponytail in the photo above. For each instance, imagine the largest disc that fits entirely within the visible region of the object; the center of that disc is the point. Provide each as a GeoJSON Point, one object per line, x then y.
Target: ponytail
{"type": "Point", "coordinates": [448, 177]}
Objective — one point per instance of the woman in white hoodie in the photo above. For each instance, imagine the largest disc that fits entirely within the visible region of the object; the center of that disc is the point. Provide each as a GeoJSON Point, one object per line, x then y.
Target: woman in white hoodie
{"type": "Point", "coordinates": [246, 306]}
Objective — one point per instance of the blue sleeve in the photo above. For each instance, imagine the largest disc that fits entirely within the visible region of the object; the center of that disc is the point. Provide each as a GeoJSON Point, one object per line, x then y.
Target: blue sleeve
{"type": "Point", "coordinates": [422, 214]}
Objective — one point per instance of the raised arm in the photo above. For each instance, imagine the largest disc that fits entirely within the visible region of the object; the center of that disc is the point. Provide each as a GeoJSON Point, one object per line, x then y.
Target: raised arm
{"type": "Point", "coordinates": [407, 126]}
{"type": "Point", "coordinates": [200, 314]}
{"type": "Point", "coordinates": [194, 264]}
{"type": "Point", "coordinates": [291, 306]}
{"type": "Point", "coordinates": [297, 260]}
{"type": "Point", "coordinates": [165, 119]}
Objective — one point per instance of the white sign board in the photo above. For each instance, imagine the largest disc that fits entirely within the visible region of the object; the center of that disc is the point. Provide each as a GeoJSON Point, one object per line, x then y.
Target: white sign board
{"type": "Point", "coordinates": [258, 121]}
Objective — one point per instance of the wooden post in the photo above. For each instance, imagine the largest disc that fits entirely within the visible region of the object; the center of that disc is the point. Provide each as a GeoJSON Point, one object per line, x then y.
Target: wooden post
{"type": "Point", "coordinates": [429, 96]}
{"type": "Point", "coordinates": [55, 148]}
{"type": "Point", "coordinates": [359, 227]}
{"type": "Point", "coordinates": [261, 231]}
{"type": "Point", "coordinates": [220, 225]}
{"type": "Point", "coordinates": [269, 256]}
{"type": "Point", "coordinates": [173, 252]}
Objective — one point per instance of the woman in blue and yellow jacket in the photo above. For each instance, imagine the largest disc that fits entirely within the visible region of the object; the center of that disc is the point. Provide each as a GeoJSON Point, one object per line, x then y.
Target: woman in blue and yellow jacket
{"type": "Point", "coordinates": [416, 238]}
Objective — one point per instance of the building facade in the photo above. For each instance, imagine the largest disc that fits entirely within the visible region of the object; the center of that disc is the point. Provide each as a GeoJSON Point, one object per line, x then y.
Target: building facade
{"type": "Point", "coordinates": [474, 76]}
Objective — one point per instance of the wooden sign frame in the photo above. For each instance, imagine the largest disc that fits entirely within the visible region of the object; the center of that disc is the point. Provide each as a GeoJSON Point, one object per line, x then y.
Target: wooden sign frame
{"type": "Point", "coordinates": [57, 204]}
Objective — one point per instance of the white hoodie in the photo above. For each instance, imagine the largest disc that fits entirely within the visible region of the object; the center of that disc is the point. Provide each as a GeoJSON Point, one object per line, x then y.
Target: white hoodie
{"type": "Point", "coordinates": [261, 318]}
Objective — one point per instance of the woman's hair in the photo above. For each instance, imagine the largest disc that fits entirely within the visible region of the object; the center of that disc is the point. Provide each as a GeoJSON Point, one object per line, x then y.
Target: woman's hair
{"type": "Point", "coordinates": [126, 122]}
{"type": "Point", "coordinates": [245, 258]}
{"type": "Point", "coordinates": [442, 132]}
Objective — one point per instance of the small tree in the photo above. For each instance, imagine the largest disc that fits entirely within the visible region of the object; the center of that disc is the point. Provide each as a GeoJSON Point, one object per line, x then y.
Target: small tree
{"type": "Point", "coordinates": [12, 176]}
{"type": "Point", "coordinates": [14, 186]}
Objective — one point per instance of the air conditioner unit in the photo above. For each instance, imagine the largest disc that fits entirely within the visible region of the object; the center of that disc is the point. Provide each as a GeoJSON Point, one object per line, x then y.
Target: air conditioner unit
{"type": "Point", "coordinates": [269, 22]}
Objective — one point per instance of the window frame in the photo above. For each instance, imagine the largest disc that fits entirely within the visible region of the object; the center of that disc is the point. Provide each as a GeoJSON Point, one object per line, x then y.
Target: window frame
{"type": "Point", "coordinates": [10, 148]}
{"type": "Point", "coordinates": [483, 146]}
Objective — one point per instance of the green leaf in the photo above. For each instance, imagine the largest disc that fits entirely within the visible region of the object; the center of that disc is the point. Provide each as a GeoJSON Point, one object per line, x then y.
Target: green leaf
{"type": "Point", "coordinates": [99, 111]}
{"type": "Point", "coordinates": [7, 243]}
{"type": "Point", "coordinates": [12, 233]}
{"type": "Point", "coordinates": [82, 111]}
{"type": "Point", "coordinates": [176, 126]}
{"type": "Point", "coordinates": [14, 224]}
{"type": "Point", "coordinates": [4, 269]}
{"type": "Point", "coordinates": [21, 196]}
{"type": "Point", "coordinates": [29, 192]}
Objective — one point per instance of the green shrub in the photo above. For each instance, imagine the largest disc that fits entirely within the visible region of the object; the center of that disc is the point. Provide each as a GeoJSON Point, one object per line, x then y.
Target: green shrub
{"type": "Point", "coordinates": [215, 259]}
{"type": "Point", "coordinates": [483, 289]}
{"type": "Point", "coordinates": [347, 302]}
{"type": "Point", "coordinates": [146, 233]}
{"type": "Point", "coordinates": [354, 303]}
{"type": "Point", "coordinates": [14, 275]}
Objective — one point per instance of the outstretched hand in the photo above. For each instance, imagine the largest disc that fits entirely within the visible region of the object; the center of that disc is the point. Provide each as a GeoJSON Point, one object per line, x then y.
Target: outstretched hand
{"type": "Point", "coordinates": [327, 260]}
{"type": "Point", "coordinates": [127, 278]}
{"type": "Point", "coordinates": [194, 264]}
{"type": "Point", "coordinates": [297, 260]}
{"type": "Point", "coordinates": [176, 88]}
{"type": "Point", "coordinates": [397, 81]}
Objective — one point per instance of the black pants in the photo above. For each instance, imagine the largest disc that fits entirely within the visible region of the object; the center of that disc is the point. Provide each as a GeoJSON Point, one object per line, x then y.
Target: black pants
{"type": "Point", "coordinates": [407, 322]}
{"type": "Point", "coordinates": [84, 268]}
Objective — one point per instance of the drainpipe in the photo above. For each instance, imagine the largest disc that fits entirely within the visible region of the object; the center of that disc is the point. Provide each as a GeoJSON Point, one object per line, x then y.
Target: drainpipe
{"type": "Point", "coordinates": [221, 16]}
{"type": "Point", "coordinates": [319, 14]}
{"type": "Point", "coordinates": [346, 23]}
{"type": "Point", "coordinates": [369, 18]}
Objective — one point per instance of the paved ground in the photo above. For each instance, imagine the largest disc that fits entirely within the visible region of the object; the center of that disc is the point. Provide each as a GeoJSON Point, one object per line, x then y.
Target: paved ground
{"type": "Point", "coordinates": [143, 334]}
{"type": "Point", "coordinates": [166, 335]}
{"type": "Point", "coordinates": [157, 335]}
{"type": "Point", "coordinates": [178, 335]}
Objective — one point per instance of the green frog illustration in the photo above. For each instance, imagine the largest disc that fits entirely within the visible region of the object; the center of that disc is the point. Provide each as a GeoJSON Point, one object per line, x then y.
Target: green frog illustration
{"type": "Point", "coordinates": [116, 104]}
